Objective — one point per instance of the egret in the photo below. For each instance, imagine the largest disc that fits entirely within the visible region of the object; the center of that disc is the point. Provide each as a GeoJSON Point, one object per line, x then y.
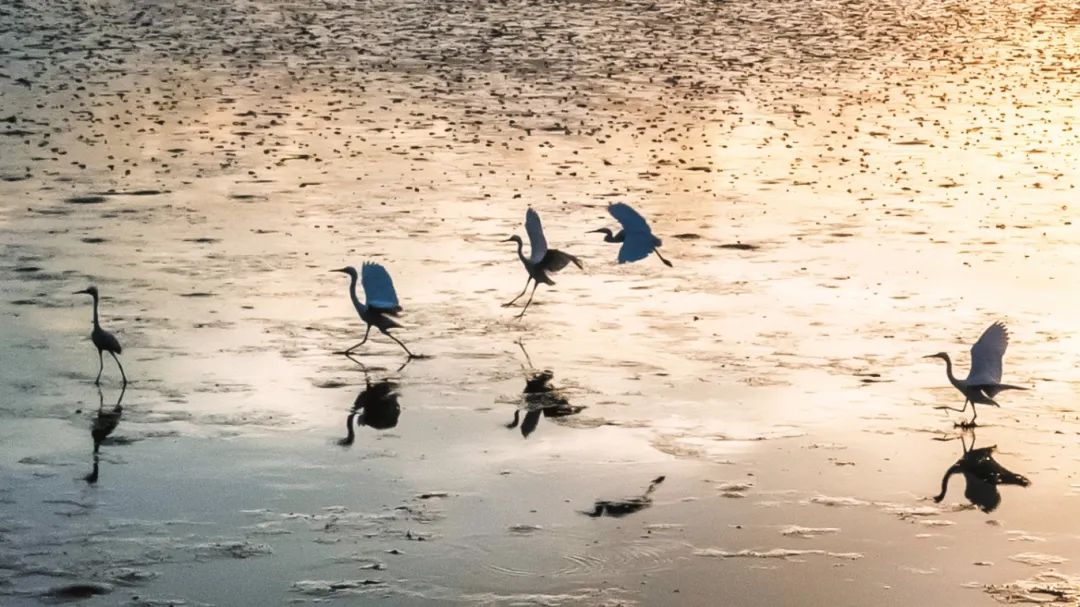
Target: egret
{"type": "Point", "coordinates": [636, 237]}
{"type": "Point", "coordinates": [103, 340]}
{"type": "Point", "coordinates": [982, 475]}
{"type": "Point", "coordinates": [541, 259]}
{"type": "Point", "coordinates": [381, 302]}
{"type": "Point", "coordinates": [983, 382]}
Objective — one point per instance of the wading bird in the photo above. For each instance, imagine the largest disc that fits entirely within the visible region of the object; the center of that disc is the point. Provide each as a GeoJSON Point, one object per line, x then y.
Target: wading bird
{"type": "Point", "coordinates": [983, 382]}
{"type": "Point", "coordinates": [541, 259]}
{"type": "Point", "coordinates": [636, 237]}
{"type": "Point", "coordinates": [103, 340]}
{"type": "Point", "coordinates": [381, 302]}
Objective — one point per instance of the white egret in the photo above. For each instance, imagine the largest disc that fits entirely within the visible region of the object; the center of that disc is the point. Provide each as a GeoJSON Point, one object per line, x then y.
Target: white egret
{"type": "Point", "coordinates": [103, 340]}
{"type": "Point", "coordinates": [541, 259]}
{"type": "Point", "coordinates": [636, 237]}
{"type": "Point", "coordinates": [381, 302]}
{"type": "Point", "coordinates": [983, 382]}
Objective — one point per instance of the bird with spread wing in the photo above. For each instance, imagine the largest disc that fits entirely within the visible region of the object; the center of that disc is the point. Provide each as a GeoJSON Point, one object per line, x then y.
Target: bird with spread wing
{"type": "Point", "coordinates": [636, 237]}
{"type": "Point", "coordinates": [381, 301]}
{"type": "Point", "coordinates": [983, 382]}
{"type": "Point", "coordinates": [541, 261]}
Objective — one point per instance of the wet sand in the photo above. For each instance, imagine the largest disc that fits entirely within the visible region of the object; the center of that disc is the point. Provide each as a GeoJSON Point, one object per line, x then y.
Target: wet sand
{"type": "Point", "coordinates": [843, 188]}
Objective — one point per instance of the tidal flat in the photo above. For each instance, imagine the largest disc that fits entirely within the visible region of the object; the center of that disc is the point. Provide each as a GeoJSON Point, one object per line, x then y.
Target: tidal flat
{"type": "Point", "coordinates": [842, 187]}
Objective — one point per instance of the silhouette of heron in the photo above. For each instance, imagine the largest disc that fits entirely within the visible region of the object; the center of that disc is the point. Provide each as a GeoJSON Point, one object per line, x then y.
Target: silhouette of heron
{"type": "Point", "coordinates": [103, 425]}
{"type": "Point", "coordinates": [376, 406]}
{"type": "Point", "coordinates": [541, 259]}
{"type": "Point", "coordinates": [620, 508]}
{"type": "Point", "coordinates": [983, 382]}
{"type": "Point", "coordinates": [103, 340]}
{"type": "Point", "coordinates": [982, 475]}
{"type": "Point", "coordinates": [636, 237]}
{"type": "Point", "coordinates": [381, 302]}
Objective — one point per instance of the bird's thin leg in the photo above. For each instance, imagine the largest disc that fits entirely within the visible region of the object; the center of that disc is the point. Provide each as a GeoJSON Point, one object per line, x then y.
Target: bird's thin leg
{"type": "Point", "coordinates": [511, 302]}
{"type": "Point", "coordinates": [944, 408]}
{"type": "Point", "coordinates": [976, 414]}
{"type": "Point", "coordinates": [666, 262]}
{"type": "Point", "coordinates": [535, 284]}
{"type": "Point", "coordinates": [101, 367]}
{"type": "Point", "coordinates": [411, 355]}
{"type": "Point", "coordinates": [362, 342]}
{"type": "Point", "coordinates": [121, 367]}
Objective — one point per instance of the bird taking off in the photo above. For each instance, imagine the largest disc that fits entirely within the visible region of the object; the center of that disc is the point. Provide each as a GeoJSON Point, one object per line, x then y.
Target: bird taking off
{"type": "Point", "coordinates": [983, 382]}
{"type": "Point", "coordinates": [381, 302]}
{"type": "Point", "coordinates": [541, 259]}
{"type": "Point", "coordinates": [103, 340]}
{"type": "Point", "coordinates": [636, 237]}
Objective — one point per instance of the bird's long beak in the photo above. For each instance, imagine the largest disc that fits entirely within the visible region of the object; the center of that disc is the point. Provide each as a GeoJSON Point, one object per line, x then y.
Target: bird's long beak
{"type": "Point", "coordinates": [342, 270]}
{"type": "Point", "coordinates": [595, 231]}
{"type": "Point", "coordinates": [83, 292]}
{"type": "Point", "coordinates": [932, 356]}
{"type": "Point", "coordinates": [507, 240]}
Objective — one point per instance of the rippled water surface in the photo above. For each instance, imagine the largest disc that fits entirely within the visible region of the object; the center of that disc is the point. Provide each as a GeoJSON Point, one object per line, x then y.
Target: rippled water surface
{"type": "Point", "coordinates": [843, 187]}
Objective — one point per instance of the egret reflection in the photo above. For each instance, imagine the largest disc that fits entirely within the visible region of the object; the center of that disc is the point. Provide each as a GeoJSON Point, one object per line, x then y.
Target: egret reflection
{"type": "Point", "coordinates": [376, 406]}
{"type": "Point", "coordinates": [620, 508]}
{"type": "Point", "coordinates": [105, 422]}
{"type": "Point", "coordinates": [982, 475]}
{"type": "Point", "coordinates": [540, 398]}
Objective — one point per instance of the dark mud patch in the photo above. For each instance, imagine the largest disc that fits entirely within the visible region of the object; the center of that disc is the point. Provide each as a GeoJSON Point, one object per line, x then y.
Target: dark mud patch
{"type": "Point", "coordinates": [739, 246]}
{"type": "Point", "coordinates": [86, 199]}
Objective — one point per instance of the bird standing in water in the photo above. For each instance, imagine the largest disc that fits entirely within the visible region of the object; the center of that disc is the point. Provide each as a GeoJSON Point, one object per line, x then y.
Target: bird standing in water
{"type": "Point", "coordinates": [381, 302]}
{"type": "Point", "coordinates": [541, 259]}
{"type": "Point", "coordinates": [636, 237]}
{"type": "Point", "coordinates": [103, 340]}
{"type": "Point", "coordinates": [983, 382]}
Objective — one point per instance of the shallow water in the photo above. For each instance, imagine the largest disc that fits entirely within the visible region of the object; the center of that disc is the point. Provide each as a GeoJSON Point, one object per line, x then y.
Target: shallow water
{"type": "Point", "coordinates": [843, 188]}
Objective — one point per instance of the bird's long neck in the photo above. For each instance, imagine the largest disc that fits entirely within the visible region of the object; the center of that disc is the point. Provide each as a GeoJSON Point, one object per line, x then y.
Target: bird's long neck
{"type": "Point", "coordinates": [948, 372]}
{"type": "Point", "coordinates": [95, 310]}
{"type": "Point", "coordinates": [609, 237]}
{"type": "Point", "coordinates": [360, 307]}
{"type": "Point", "coordinates": [521, 252]}
{"type": "Point", "coordinates": [945, 481]}
{"type": "Point", "coordinates": [349, 427]}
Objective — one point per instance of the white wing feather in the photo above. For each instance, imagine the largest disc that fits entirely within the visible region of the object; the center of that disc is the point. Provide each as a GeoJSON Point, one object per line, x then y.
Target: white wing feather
{"type": "Point", "coordinates": [378, 288]}
{"type": "Point", "coordinates": [628, 218]}
{"type": "Point", "coordinates": [986, 356]}
{"type": "Point", "coordinates": [537, 243]}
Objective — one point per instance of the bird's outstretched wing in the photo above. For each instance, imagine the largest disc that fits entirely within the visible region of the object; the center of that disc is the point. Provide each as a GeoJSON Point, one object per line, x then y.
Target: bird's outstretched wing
{"type": "Point", "coordinates": [379, 289]}
{"type": "Point", "coordinates": [986, 356]}
{"type": "Point", "coordinates": [628, 218]}
{"type": "Point", "coordinates": [537, 243]}
{"type": "Point", "coordinates": [556, 260]}
{"type": "Point", "coordinates": [636, 245]}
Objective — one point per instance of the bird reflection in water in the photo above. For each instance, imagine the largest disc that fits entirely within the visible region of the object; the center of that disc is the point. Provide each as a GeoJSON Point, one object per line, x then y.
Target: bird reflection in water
{"type": "Point", "coordinates": [376, 407]}
{"type": "Point", "coordinates": [982, 475]}
{"type": "Point", "coordinates": [540, 398]}
{"type": "Point", "coordinates": [104, 423]}
{"type": "Point", "coordinates": [618, 508]}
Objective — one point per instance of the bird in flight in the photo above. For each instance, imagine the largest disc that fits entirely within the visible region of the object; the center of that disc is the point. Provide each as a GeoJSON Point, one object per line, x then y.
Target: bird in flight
{"type": "Point", "coordinates": [541, 260]}
{"type": "Point", "coordinates": [381, 302]}
{"type": "Point", "coordinates": [103, 340]}
{"type": "Point", "coordinates": [983, 382]}
{"type": "Point", "coordinates": [636, 237]}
